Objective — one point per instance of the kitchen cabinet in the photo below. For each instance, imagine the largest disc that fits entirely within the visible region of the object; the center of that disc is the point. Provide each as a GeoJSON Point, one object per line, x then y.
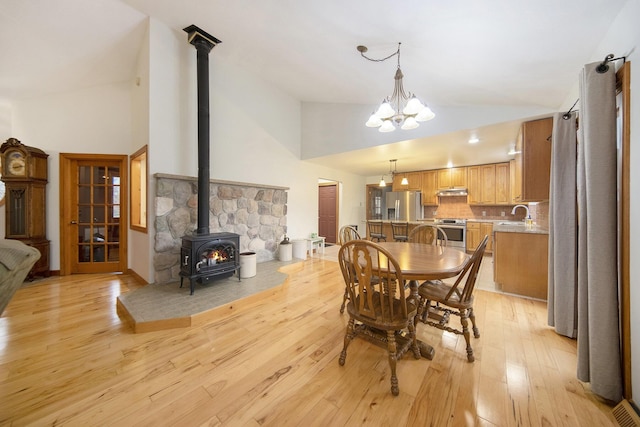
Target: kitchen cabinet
{"type": "Point", "coordinates": [429, 188]}
{"type": "Point", "coordinates": [482, 181]}
{"type": "Point", "coordinates": [476, 231]}
{"type": "Point", "coordinates": [452, 177]}
{"type": "Point", "coordinates": [533, 161]}
{"type": "Point", "coordinates": [489, 184]}
{"type": "Point", "coordinates": [414, 181]}
{"type": "Point", "coordinates": [503, 191]}
{"type": "Point", "coordinates": [520, 263]}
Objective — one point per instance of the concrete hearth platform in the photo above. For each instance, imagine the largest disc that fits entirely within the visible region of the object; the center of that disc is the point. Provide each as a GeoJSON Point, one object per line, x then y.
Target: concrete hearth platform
{"type": "Point", "coordinates": [165, 306]}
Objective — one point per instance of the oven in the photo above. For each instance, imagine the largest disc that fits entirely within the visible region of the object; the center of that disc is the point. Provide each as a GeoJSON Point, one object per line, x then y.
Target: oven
{"type": "Point", "coordinates": [455, 229]}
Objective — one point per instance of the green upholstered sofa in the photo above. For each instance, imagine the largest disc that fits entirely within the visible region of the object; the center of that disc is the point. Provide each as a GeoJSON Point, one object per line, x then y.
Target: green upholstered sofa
{"type": "Point", "coordinates": [16, 260]}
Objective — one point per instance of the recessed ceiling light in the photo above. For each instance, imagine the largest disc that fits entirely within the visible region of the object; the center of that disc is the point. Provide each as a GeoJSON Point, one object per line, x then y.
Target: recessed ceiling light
{"type": "Point", "coordinates": [473, 140]}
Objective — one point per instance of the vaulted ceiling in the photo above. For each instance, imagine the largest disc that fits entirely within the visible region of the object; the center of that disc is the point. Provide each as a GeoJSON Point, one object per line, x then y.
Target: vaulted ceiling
{"type": "Point", "coordinates": [460, 53]}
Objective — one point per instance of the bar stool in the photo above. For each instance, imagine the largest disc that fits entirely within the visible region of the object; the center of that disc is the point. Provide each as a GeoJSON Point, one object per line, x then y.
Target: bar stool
{"type": "Point", "coordinates": [375, 231]}
{"type": "Point", "coordinates": [400, 231]}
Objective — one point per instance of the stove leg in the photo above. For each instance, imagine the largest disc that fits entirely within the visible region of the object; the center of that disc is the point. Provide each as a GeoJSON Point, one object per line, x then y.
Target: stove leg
{"type": "Point", "coordinates": [181, 279]}
{"type": "Point", "coordinates": [193, 285]}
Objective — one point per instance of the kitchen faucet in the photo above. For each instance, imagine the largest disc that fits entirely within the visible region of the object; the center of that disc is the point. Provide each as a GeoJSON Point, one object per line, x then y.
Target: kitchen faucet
{"type": "Point", "coordinates": [513, 211]}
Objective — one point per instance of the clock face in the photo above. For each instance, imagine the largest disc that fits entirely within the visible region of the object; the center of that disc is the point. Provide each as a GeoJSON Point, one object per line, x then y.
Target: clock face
{"type": "Point", "coordinates": [16, 165]}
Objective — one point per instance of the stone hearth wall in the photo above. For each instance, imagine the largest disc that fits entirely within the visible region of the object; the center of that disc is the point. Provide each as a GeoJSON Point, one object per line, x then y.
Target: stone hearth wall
{"type": "Point", "coordinates": [257, 213]}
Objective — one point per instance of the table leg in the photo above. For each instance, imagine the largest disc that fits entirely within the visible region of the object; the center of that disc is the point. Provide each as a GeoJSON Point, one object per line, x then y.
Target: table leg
{"type": "Point", "coordinates": [426, 350]}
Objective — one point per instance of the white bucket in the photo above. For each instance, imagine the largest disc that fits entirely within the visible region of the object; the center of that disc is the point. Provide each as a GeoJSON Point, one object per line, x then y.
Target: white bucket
{"type": "Point", "coordinates": [284, 252]}
{"type": "Point", "coordinates": [300, 249]}
{"type": "Point", "coordinates": [247, 264]}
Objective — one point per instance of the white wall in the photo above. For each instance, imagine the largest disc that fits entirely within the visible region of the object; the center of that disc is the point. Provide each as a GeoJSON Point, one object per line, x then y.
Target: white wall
{"type": "Point", "coordinates": [91, 120]}
{"type": "Point", "coordinates": [139, 242]}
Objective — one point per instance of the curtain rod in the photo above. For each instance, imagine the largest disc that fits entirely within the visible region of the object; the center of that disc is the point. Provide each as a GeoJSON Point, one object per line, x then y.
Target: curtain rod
{"type": "Point", "coordinates": [601, 69]}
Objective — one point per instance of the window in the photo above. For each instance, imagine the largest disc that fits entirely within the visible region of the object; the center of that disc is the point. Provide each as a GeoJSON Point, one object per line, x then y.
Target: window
{"type": "Point", "coordinates": [138, 165]}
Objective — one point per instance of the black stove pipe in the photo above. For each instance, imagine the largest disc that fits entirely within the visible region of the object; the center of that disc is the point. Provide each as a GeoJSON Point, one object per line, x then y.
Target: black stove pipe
{"type": "Point", "coordinates": [203, 42]}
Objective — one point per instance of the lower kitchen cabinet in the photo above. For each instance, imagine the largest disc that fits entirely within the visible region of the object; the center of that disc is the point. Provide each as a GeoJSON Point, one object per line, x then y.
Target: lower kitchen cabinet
{"type": "Point", "coordinates": [476, 231]}
{"type": "Point", "coordinates": [520, 263]}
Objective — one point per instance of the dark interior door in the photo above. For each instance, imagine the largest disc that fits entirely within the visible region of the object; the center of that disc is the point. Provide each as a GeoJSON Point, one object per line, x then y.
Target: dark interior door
{"type": "Point", "coordinates": [328, 212]}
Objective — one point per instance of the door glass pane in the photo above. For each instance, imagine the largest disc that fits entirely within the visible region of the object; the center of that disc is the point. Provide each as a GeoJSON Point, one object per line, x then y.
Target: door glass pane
{"type": "Point", "coordinates": [99, 214]}
{"type": "Point", "coordinates": [99, 174]}
{"type": "Point", "coordinates": [84, 214]}
{"type": "Point", "coordinates": [84, 253]}
{"type": "Point", "coordinates": [98, 195]}
{"type": "Point", "coordinates": [84, 233]}
{"type": "Point", "coordinates": [84, 194]}
{"type": "Point", "coordinates": [84, 174]}
{"type": "Point", "coordinates": [113, 253]}
{"type": "Point", "coordinates": [113, 236]}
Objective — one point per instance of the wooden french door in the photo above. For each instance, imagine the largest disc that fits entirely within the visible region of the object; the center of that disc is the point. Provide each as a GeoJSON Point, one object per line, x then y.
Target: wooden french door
{"type": "Point", "coordinates": [94, 209]}
{"type": "Point", "coordinates": [328, 212]}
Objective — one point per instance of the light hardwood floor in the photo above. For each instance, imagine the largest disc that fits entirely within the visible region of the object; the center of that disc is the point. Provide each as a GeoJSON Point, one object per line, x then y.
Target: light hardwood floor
{"type": "Point", "coordinates": [67, 359]}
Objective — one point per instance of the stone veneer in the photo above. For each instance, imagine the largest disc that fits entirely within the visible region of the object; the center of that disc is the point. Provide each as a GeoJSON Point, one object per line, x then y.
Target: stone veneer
{"type": "Point", "coordinates": [258, 213]}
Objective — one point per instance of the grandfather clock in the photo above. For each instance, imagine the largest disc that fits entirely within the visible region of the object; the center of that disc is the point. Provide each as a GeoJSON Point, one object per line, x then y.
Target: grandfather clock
{"type": "Point", "coordinates": [24, 172]}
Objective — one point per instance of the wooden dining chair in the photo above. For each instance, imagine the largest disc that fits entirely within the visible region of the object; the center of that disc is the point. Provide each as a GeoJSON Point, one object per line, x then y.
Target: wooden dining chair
{"type": "Point", "coordinates": [428, 234]}
{"type": "Point", "coordinates": [378, 307]}
{"type": "Point", "coordinates": [375, 231]}
{"type": "Point", "coordinates": [347, 233]}
{"type": "Point", "coordinates": [400, 231]}
{"type": "Point", "coordinates": [446, 299]}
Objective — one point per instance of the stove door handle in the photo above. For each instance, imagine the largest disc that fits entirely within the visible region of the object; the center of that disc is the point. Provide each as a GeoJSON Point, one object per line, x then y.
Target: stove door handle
{"type": "Point", "coordinates": [186, 260]}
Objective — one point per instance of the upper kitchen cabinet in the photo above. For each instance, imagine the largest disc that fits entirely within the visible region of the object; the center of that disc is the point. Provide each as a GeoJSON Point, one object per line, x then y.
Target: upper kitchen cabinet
{"type": "Point", "coordinates": [489, 184]}
{"type": "Point", "coordinates": [429, 188]}
{"type": "Point", "coordinates": [452, 177]}
{"type": "Point", "coordinates": [414, 181]}
{"type": "Point", "coordinates": [503, 193]}
{"type": "Point", "coordinates": [533, 161]}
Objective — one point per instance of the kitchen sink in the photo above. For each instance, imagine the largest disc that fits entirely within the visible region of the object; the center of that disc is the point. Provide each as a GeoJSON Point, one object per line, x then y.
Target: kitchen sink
{"type": "Point", "coordinates": [512, 223]}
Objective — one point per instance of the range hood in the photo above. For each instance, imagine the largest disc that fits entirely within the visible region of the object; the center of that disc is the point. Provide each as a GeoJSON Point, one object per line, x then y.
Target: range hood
{"type": "Point", "coordinates": [447, 192]}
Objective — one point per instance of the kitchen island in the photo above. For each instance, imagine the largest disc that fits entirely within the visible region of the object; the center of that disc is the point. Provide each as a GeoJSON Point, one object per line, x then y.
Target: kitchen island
{"type": "Point", "coordinates": [520, 259]}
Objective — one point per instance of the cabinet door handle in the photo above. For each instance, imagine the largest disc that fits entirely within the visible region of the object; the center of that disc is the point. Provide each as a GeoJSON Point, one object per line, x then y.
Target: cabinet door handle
{"type": "Point", "coordinates": [73, 221]}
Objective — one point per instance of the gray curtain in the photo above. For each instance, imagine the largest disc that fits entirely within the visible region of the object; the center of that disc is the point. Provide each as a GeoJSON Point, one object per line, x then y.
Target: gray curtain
{"type": "Point", "coordinates": [583, 241]}
{"type": "Point", "coordinates": [599, 359]}
{"type": "Point", "coordinates": [563, 237]}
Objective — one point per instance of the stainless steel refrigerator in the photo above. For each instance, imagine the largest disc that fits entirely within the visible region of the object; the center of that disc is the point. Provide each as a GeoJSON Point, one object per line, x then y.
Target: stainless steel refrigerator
{"type": "Point", "coordinates": [403, 205]}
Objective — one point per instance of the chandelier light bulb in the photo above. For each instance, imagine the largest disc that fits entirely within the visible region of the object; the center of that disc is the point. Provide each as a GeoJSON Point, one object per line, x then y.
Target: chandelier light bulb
{"type": "Point", "coordinates": [385, 110]}
{"type": "Point", "coordinates": [404, 181]}
{"type": "Point", "coordinates": [425, 114]}
{"type": "Point", "coordinates": [413, 107]}
{"type": "Point", "coordinates": [382, 183]}
{"type": "Point", "coordinates": [374, 121]}
{"type": "Point", "coordinates": [409, 123]}
{"type": "Point", "coordinates": [387, 126]}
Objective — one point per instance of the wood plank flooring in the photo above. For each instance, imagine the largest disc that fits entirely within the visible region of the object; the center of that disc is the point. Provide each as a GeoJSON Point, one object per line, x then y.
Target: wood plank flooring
{"type": "Point", "coordinates": [67, 359]}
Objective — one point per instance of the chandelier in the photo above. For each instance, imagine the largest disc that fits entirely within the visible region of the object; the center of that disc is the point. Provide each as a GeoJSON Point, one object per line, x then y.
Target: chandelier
{"type": "Point", "coordinates": [401, 108]}
{"type": "Point", "coordinates": [393, 172]}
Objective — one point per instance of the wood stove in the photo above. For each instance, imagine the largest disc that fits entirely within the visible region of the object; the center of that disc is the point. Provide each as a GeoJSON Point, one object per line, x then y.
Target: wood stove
{"type": "Point", "coordinates": [205, 258]}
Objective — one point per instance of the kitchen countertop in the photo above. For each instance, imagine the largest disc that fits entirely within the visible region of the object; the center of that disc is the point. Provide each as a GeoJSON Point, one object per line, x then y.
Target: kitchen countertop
{"type": "Point", "coordinates": [517, 228]}
{"type": "Point", "coordinates": [498, 226]}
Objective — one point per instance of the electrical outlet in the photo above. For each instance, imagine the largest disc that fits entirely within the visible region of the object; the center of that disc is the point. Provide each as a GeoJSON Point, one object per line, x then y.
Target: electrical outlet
{"type": "Point", "coordinates": [484, 213]}
{"type": "Point", "coordinates": [502, 213]}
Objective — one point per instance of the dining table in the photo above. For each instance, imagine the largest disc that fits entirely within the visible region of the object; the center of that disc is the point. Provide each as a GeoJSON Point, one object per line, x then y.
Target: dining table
{"type": "Point", "coordinates": [419, 262]}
